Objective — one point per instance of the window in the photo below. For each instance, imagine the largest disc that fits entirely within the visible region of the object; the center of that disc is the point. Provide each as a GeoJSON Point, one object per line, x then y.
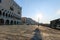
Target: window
{"type": "Point", "coordinates": [0, 1]}
{"type": "Point", "coordinates": [18, 12]}
{"type": "Point", "coordinates": [11, 8]}
{"type": "Point", "coordinates": [3, 13]}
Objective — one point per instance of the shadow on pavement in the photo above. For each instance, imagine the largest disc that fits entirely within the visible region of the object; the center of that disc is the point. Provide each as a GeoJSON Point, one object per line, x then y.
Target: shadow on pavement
{"type": "Point", "coordinates": [37, 35]}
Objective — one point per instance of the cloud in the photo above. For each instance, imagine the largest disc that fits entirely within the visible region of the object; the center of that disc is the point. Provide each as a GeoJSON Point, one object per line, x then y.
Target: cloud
{"type": "Point", "coordinates": [58, 12]}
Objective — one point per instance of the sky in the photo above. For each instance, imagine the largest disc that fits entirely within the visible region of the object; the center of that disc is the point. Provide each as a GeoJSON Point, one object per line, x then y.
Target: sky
{"type": "Point", "coordinates": [44, 10]}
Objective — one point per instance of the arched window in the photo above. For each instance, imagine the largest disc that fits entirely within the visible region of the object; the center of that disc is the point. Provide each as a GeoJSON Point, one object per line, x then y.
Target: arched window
{"type": "Point", "coordinates": [3, 13]}
{"type": "Point", "coordinates": [11, 8]}
{"type": "Point", "coordinates": [11, 22]}
{"type": "Point", "coordinates": [1, 21]}
{"type": "Point", "coordinates": [7, 22]}
{"type": "Point", "coordinates": [6, 15]}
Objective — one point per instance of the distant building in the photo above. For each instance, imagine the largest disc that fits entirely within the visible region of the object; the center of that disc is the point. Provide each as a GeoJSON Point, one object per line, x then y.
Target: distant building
{"type": "Point", "coordinates": [10, 12]}
{"type": "Point", "coordinates": [31, 21]}
{"type": "Point", "coordinates": [23, 19]}
{"type": "Point", "coordinates": [28, 21]}
{"type": "Point", "coordinates": [55, 23]}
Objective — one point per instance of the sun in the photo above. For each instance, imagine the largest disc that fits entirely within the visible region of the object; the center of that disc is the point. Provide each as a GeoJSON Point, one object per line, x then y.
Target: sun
{"type": "Point", "coordinates": [39, 16]}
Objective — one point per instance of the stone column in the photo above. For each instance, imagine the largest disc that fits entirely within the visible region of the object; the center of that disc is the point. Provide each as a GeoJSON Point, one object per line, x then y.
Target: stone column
{"type": "Point", "coordinates": [13, 23]}
{"type": "Point", "coordinates": [4, 22]}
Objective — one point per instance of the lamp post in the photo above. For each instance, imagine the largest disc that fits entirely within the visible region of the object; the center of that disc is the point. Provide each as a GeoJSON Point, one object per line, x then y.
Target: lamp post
{"type": "Point", "coordinates": [38, 22]}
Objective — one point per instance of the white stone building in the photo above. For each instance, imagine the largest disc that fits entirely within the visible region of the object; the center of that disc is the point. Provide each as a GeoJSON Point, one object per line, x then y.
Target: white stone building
{"type": "Point", "coordinates": [10, 12]}
{"type": "Point", "coordinates": [30, 21]}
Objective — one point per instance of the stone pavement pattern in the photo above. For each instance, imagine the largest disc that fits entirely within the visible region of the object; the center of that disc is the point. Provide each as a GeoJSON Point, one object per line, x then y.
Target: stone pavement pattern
{"type": "Point", "coordinates": [28, 32]}
{"type": "Point", "coordinates": [49, 34]}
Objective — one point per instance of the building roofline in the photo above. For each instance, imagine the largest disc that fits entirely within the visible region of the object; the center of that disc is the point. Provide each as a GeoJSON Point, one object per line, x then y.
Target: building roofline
{"type": "Point", "coordinates": [17, 5]}
{"type": "Point", "coordinates": [56, 19]}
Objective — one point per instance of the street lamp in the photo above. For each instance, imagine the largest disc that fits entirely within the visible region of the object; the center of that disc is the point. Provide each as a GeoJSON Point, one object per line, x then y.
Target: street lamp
{"type": "Point", "coordinates": [38, 22]}
{"type": "Point", "coordinates": [39, 17]}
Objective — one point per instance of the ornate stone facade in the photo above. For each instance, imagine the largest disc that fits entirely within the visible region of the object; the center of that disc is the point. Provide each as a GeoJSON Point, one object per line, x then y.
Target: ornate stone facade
{"type": "Point", "coordinates": [10, 12]}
